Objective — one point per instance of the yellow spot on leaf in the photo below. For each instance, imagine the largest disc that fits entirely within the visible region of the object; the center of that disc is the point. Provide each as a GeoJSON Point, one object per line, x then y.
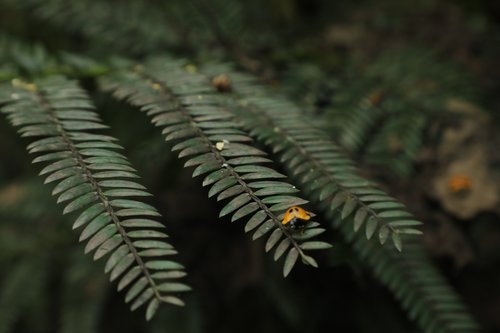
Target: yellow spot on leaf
{"type": "Point", "coordinates": [156, 86]}
{"type": "Point", "coordinates": [18, 83]}
{"type": "Point", "coordinates": [191, 69]}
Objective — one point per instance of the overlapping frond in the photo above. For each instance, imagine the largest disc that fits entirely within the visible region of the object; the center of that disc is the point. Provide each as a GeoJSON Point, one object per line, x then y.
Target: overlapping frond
{"type": "Point", "coordinates": [416, 283]}
{"type": "Point", "coordinates": [316, 161]}
{"type": "Point", "coordinates": [92, 177]}
{"type": "Point", "coordinates": [192, 113]}
{"type": "Point", "coordinates": [328, 178]}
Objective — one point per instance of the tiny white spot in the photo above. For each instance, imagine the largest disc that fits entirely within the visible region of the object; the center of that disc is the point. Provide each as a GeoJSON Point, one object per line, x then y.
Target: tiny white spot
{"type": "Point", "coordinates": [225, 141]}
{"type": "Point", "coordinates": [224, 165]}
{"type": "Point", "coordinates": [219, 145]}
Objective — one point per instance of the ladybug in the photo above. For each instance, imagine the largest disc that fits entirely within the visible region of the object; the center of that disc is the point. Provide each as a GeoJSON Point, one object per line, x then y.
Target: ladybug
{"type": "Point", "coordinates": [296, 217]}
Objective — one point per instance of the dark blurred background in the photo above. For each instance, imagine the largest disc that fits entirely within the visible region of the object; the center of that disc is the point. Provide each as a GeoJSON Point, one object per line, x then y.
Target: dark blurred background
{"type": "Point", "coordinates": [427, 69]}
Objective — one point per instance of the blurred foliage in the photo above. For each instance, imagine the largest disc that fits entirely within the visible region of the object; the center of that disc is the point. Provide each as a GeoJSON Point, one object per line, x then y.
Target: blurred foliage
{"type": "Point", "coordinates": [390, 81]}
{"type": "Point", "coordinates": [383, 118]}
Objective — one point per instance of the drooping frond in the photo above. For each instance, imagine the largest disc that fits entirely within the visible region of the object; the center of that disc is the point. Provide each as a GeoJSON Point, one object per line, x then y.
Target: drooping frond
{"type": "Point", "coordinates": [191, 112]}
{"type": "Point", "coordinates": [92, 177]}
{"type": "Point", "coordinates": [328, 177]}
{"type": "Point", "coordinates": [318, 164]}
{"type": "Point", "coordinates": [416, 283]}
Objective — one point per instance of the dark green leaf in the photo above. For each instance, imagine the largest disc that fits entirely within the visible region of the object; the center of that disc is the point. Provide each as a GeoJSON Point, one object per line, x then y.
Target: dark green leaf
{"type": "Point", "coordinates": [108, 246]}
{"type": "Point", "coordinates": [245, 210]}
{"type": "Point", "coordinates": [146, 234]}
{"type": "Point", "coordinates": [88, 214]}
{"type": "Point", "coordinates": [80, 202]}
{"type": "Point", "coordinates": [221, 185]}
{"type": "Point", "coordinates": [130, 276]}
{"type": "Point", "coordinates": [173, 287]}
{"type": "Point", "coordinates": [136, 288]}
{"type": "Point", "coordinates": [281, 249]}
{"type": "Point", "coordinates": [290, 261]}
{"type": "Point", "coordinates": [152, 308]}
{"type": "Point", "coordinates": [94, 226]}
{"type": "Point", "coordinates": [163, 264]}
{"type": "Point", "coordinates": [371, 226]}
{"type": "Point", "coordinates": [230, 192]}
{"type": "Point", "coordinates": [255, 220]}
{"type": "Point", "coordinates": [121, 266]}
{"type": "Point", "coordinates": [234, 204]}
{"type": "Point", "coordinates": [115, 257]}
{"type": "Point", "coordinates": [315, 245]}
{"type": "Point", "coordinates": [396, 239]}
{"type": "Point", "coordinates": [263, 229]}
{"type": "Point", "coordinates": [100, 237]}
{"type": "Point", "coordinates": [143, 298]}
{"type": "Point", "coordinates": [273, 239]}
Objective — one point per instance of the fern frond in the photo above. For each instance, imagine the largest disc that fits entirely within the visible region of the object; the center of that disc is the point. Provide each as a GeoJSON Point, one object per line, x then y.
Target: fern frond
{"type": "Point", "coordinates": [191, 112]}
{"type": "Point", "coordinates": [416, 283]}
{"type": "Point", "coordinates": [327, 175]}
{"type": "Point", "coordinates": [317, 163]}
{"type": "Point", "coordinates": [95, 179]}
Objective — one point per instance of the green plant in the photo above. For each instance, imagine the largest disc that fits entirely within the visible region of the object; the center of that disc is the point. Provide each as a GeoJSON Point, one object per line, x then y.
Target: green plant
{"type": "Point", "coordinates": [255, 148]}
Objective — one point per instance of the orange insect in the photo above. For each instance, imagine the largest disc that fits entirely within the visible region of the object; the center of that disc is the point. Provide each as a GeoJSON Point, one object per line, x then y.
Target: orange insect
{"type": "Point", "coordinates": [296, 217]}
